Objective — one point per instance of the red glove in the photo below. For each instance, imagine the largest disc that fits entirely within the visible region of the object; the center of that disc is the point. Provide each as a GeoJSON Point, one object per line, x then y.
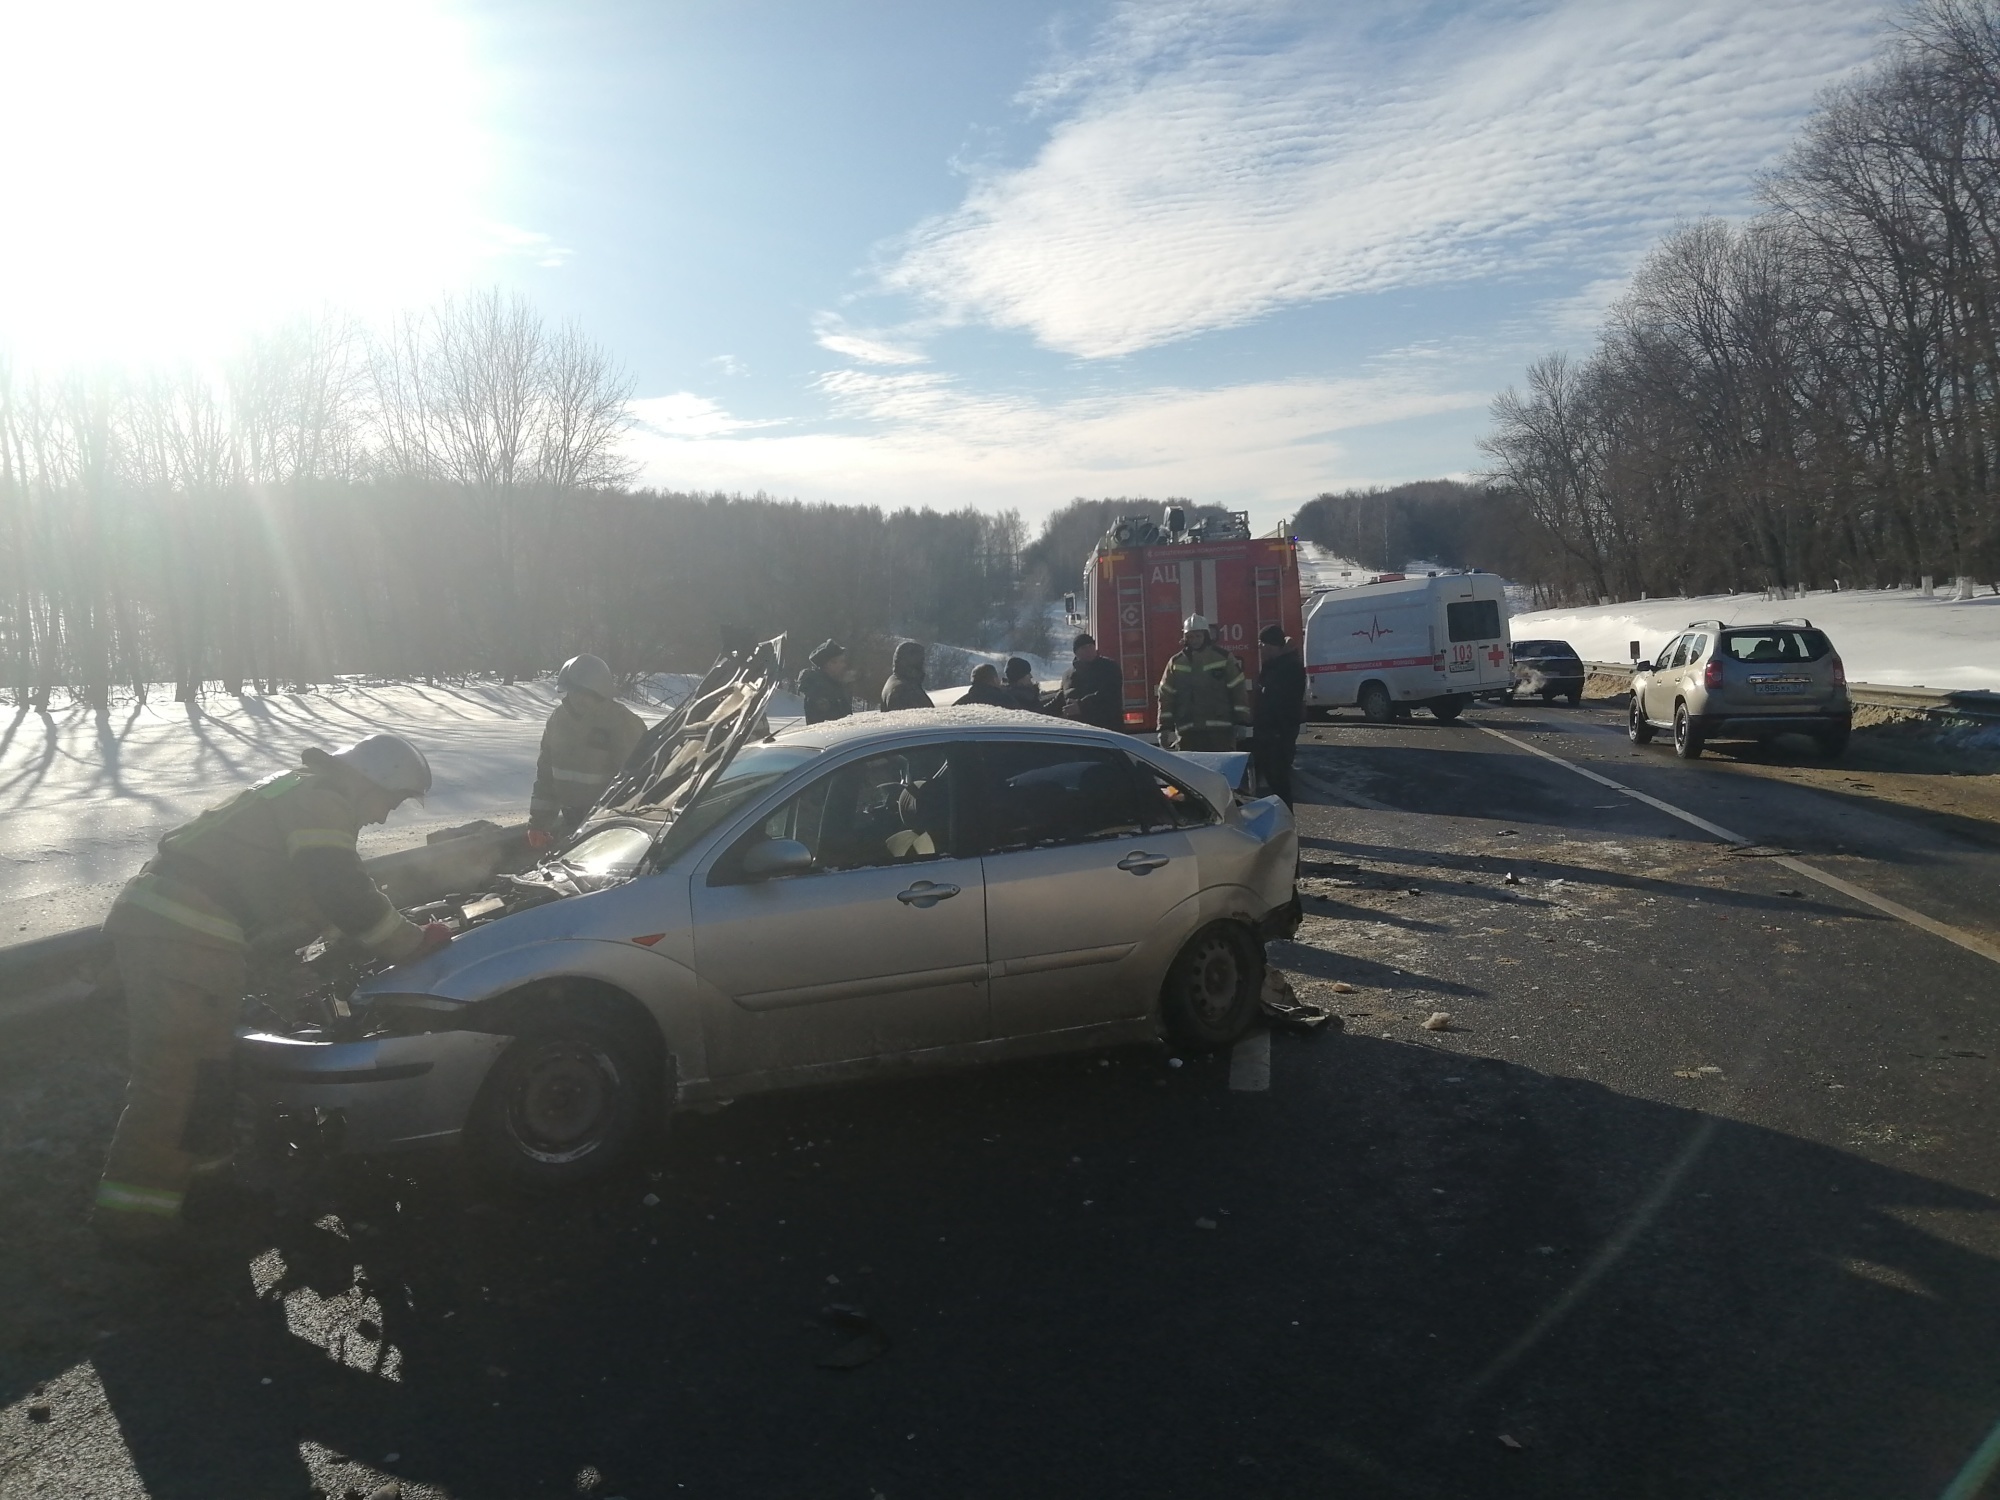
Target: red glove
{"type": "Point", "coordinates": [540, 838]}
{"type": "Point", "coordinates": [436, 935]}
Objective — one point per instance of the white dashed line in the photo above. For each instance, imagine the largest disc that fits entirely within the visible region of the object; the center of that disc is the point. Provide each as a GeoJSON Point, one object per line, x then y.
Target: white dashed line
{"type": "Point", "coordinates": [1250, 1064]}
{"type": "Point", "coordinates": [1966, 940]}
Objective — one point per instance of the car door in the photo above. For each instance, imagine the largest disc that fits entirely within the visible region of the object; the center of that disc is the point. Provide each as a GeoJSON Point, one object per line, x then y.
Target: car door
{"type": "Point", "coordinates": [1079, 877]}
{"type": "Point", "coordinates": [878, 949]}
{"type": "Point", "coordinates": [1664, 682]}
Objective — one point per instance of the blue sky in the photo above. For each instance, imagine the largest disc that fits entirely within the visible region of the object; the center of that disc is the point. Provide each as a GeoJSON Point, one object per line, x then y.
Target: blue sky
{"type": "Point", "coordinates": [1241, 250]}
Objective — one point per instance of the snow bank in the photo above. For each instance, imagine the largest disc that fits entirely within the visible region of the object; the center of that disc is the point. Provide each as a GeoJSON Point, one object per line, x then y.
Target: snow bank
{"type": "Point", "coordinates": [1888, 637]}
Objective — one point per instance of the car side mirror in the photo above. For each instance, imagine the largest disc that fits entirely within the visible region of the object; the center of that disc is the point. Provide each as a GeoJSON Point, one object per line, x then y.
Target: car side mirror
{"type": "Point", "coordinates": [776, 857]}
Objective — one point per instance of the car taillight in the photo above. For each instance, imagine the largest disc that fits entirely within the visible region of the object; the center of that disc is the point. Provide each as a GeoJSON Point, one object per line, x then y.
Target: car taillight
{"type": "Point", "coordinates": [1839, 671]}
{"type": "Point", "coordinates": [1711, 678]}
{"type": "Point", "coordinates": [1135, 718]}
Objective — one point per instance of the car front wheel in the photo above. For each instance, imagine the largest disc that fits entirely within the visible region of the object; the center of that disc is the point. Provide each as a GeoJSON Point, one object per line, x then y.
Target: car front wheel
{"type": "Point", "coordinates": [1211, 992]}
{"type": "Point", "coordinates": [1638, 730]}
{"type": "Point", "coordinates": [1375, 705]}
{"type": "Point", "coordinates": [1687, 739]}
{"type": "Point", "coordinates": [562, 1106]}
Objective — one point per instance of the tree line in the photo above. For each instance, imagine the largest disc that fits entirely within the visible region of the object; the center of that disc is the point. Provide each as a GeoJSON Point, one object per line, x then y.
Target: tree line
{"type": "Point", "coordinates": [1809, 397]}
{"type": "Point", "coordinates": [444, 496]}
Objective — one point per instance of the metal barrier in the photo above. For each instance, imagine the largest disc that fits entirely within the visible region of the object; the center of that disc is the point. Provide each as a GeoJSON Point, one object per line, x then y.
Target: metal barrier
{"type": "Point", "coordinates": [1935, 703]}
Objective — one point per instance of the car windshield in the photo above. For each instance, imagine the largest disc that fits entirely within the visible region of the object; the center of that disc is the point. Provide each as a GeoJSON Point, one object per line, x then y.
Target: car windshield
{"type": "Point", "coordinates": [748, 773]}
{"type": "Point", "coordinates": [1776, 645]}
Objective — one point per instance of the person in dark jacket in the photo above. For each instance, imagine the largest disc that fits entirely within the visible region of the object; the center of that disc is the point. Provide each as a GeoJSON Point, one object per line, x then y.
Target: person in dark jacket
{"type": "Point", "coordinates": [1093, 689]}
{"type": "Point", "coordinates": [1279, 711]}
{"type": "Point", "coordinates": [1022, 690]}
{"type": "Point", "coordinates": [826, 684]}
{"type": "Point", "coordinates": [986, 688]}
{"type": "Point", "coordinates": [905, 685]}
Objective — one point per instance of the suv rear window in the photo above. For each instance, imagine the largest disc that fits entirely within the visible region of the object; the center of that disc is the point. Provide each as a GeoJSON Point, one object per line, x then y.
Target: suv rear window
{"type": "Point", "coordinates": [1775, 645]}
{"type": "Point", "coordinates": [1478, 620]}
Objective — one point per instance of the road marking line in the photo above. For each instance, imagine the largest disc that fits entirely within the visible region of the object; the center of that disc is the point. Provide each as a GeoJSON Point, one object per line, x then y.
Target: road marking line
{"type": "Point", "coordinates": [1966, 940]}
{"type": "Point", "coordinates": [1250, 1064]}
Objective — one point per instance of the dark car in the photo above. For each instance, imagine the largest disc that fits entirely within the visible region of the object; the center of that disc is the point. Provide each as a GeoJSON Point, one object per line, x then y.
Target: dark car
{"type": "Point", "coordinates": [1551, 669]}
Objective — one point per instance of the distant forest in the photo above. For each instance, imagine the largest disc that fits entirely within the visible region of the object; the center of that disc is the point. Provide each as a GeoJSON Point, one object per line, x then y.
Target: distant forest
{"type": "Point", "coordinates": [442, 498]}
{"type": "Point", "coordinates": [1809, 397]}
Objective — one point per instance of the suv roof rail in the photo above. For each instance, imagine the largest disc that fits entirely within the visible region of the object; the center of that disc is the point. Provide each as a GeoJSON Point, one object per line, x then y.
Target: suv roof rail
{"type": "Point", "coordinates": [1711, 624]}
{"type": "Point", "coordinates": [1794, 620]}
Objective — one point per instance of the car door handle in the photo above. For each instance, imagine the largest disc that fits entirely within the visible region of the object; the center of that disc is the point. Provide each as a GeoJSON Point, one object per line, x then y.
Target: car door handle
{"type": "Point", "coordinates": [925, 894]}
{"type": "Point", "coordinates": [1143, 863]}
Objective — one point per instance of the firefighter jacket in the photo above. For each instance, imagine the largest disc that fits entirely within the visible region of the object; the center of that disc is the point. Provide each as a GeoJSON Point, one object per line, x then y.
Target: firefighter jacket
{"type": "Point", "coordinates": [585, 744]}
{"type": "Point", "coordinates": [904, 692]}
{"type": "Point", "coordinates": [269, 868]}
{"type": "Point", "coordinates": [1204, 690]}
{"type": "Point", "coordinates": [826, 697]}
{"type": "Point", "coordinates": [1096, 690]}
{"type": "Point", "coordinates": [1281, 693]}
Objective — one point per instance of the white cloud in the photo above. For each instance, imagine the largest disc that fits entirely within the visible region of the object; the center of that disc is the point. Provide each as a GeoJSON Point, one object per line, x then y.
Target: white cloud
{"type": "Point", "coordinates": [868, 351]}
{"type": "Point", "coordinates": [1212, 162]}
{"type": "Point", "coordinates": [684, 415]}
{"type": "Point", "coordinates": [920, 438]}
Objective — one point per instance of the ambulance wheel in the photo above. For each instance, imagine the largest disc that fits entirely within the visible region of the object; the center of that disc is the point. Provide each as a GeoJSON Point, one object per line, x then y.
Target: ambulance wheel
{"type": "Point", "coordinates": [1375, 705]}
{"type": "Point", "coordinates": [1444, 710]}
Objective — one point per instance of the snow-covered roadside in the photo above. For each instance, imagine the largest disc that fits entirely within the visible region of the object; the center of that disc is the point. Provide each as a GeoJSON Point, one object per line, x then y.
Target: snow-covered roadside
{"type": "Point", "coordinates": [1887, 637]}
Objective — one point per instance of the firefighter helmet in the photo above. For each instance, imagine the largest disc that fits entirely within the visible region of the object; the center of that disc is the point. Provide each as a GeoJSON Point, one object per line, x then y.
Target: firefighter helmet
{"type": "Point", "coordinates": [390, 762]}
{"type": "Point", "coordinates": [590, 673]}
{"type": "Point", "coordinates": [1196, 622]}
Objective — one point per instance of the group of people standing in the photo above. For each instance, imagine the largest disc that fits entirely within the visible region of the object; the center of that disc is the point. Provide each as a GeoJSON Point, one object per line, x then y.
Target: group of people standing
{"type": "Point", "coordinates": [1205, 696]}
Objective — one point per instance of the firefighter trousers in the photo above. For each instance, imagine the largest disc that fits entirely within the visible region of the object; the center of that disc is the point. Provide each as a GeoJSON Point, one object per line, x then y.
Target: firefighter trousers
{"type": "Point", "coordinates": [182, 1001]}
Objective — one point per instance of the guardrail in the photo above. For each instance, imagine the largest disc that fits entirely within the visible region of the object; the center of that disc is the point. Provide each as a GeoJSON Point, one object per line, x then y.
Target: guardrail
{"type": "Point", "coordinates": [1934, 703]}
{"type": "Point", "coordinates": [60, 968]}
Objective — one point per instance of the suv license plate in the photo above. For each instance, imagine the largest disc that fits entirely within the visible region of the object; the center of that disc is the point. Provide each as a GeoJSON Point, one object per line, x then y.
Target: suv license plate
{"type": "Point", "coordinates": [1776, 685]}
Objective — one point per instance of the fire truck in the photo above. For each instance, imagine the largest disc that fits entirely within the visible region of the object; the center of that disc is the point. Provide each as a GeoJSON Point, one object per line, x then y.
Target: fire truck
{"type": "Point", "coordinates": [1147, 576]}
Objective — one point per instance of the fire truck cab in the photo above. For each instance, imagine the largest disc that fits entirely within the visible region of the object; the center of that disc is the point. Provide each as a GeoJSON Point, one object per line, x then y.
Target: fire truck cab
{"type": "Point", "coordinates": [1147, 576]}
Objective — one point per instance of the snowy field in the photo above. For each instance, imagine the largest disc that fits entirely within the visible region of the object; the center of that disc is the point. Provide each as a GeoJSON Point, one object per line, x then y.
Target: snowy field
{"type": "Point", "coordinates": [1887, 637]}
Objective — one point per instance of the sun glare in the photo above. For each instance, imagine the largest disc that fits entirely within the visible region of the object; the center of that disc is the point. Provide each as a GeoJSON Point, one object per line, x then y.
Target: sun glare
{"type": "Point", "coordinates": [177, 172]}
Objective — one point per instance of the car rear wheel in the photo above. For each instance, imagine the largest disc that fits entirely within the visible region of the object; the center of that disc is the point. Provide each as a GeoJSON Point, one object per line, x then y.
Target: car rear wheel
{"type": "Point", "coordinates": [1575, 696]}
{"type": "Point", "coordinates": [1833, 742]}
{"type": "Point", "coordinates": [1375, 705]}
{"type": "Point", "coordinates": [1687, 739]}
{"type": "Point", "coordinates": [1444, 710]}
{"type": "Point", "coordinates": [1210, 996]}
{"type": "Point", "coordinates": [562, 1106]}
{"type": "Point", "coordinates": [1638, 730]}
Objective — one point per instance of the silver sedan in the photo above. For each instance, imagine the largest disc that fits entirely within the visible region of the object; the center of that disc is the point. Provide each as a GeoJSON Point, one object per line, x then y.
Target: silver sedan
{"type": "Point", "coordinates": [875, 895]}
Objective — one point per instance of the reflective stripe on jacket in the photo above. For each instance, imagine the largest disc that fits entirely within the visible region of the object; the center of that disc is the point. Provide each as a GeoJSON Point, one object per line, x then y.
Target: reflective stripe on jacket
{"type": "Point", "coordinates": [1205, 689]}
{"type": "Point", "coordinates": [273, 865]}
{"type": "Point", "coordinates": [585, 743]}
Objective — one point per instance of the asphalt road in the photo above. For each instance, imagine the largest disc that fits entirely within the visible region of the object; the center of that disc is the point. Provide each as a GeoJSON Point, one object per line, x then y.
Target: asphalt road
{"type": "Point", "coordinates": [1694, 1197]}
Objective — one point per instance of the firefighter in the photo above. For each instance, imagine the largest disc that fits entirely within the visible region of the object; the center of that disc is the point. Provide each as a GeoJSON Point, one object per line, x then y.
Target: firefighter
{"type": "Point", "coordinates": [986, 688]}
{"type": "Point", "coordinates": [1093, 689]}
{"type": "Point", "coordinates": [260, 873]}
{"type": "Point", "coordinates": [1280, 709]}
{"type": "Point", "coordinates": [825, 684]}
{"type": "Point", "coordinates": [1021, 688]}
{"type": "Point", "coordinates": [904, 687]}
{"type": "Point", "coordinates": [584, 745]}
{"type": "Point", "coordinates": [1204, 694]}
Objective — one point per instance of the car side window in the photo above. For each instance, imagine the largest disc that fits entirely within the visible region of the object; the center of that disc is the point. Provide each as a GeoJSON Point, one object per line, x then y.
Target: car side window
{"type": "Point", "coordinates": [1040, 795]}
{"type": "Point", "coordinates": [1679, 656]}
{"type": "Point", "coordinates": [894, 809]}
{"type": "Point", "coordinates": [1165, 805]}
{"type": "Point", "coordinates": [1697, 648]}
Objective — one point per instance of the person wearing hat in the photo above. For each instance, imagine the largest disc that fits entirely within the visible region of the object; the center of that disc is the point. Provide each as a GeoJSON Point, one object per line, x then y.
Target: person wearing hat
{"type": "Point", "coordinates": [585, 743]}
{"type": "Point", "coordinates": [1279, 711]}
{"type": "Point", "coordinates": [904, 687]}
{"type": "Point", "coordinates": [1021, 688]}
{"type": "Point", "coordinates": [826, 685]}
{"type": "Point", "coordinates": [263, 872]}
{"type": "Point", "coordinates": [986, 689]}
{"type": "Point", "coordinates": [1093, 689]}
{"type": "Point", "coordinates": [1204, 693]}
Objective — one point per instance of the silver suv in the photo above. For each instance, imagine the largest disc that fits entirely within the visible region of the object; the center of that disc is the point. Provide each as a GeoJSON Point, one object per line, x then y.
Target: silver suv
{"type": "Point", "coordinates": [1743, 682]}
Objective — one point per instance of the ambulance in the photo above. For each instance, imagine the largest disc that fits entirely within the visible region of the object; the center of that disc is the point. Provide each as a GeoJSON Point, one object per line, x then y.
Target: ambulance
{"type": "Point", "coordinates": [1400, 642]}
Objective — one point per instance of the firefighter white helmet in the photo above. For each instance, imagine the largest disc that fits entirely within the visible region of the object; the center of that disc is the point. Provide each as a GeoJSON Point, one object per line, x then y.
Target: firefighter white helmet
{"type": "Point", "coordinates": [391, 762]}
{"type": "Point", "coordinates": [590, 673]}
{"type": "Point", "coordinates": [1195, 622]}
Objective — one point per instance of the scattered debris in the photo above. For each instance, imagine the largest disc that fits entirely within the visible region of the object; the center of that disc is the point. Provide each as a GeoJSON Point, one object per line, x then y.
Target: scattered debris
{"type": "Point", "coordinates": [1342, 987]}
{"type": "Point", "coordinates": [393, 1490]}
{"type": "Point", "coordinates": [1706, 1070]}
{"type": "Point", "coordinates": [651, 1200]}
{"type": "Point", "coordinates": [867, 1341]}
{"type": "Point", "coordinates": [1204, 1223]}
{"type": "Point", "coordinates": [1795, 895]}
{"type": "Point", "coordinates": [1281, 1004]}
{"type": "Point", "coordinates": [1510, 878]}
{"type": "Point", "coordinates": [1511, 1444]}
{"type": "Point", "coordinates": [1438, 1020]}
{"type": "Point", "coordinates": [38, 1411]}
{"type": "Point", "coordinates": [1173, 1062]}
